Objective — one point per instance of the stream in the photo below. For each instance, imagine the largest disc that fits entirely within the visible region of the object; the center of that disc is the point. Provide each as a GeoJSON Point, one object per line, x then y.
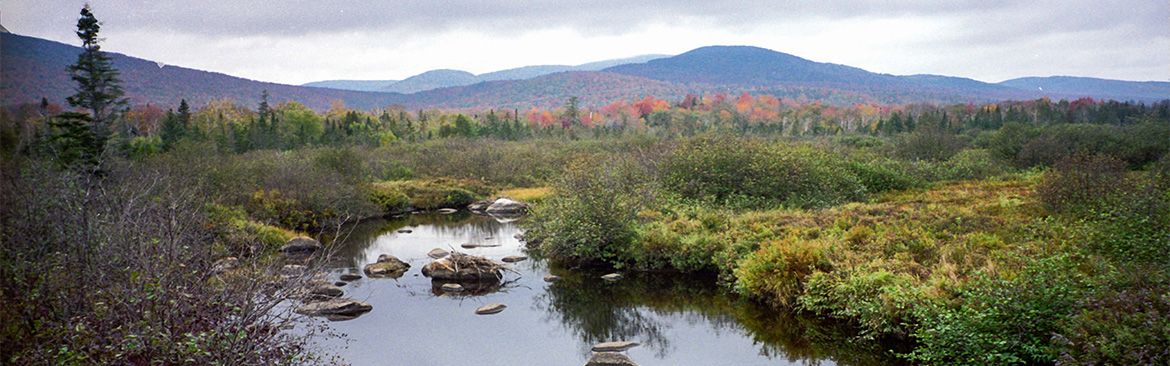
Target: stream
{"type": "Point", "coordinates": [678, 319]}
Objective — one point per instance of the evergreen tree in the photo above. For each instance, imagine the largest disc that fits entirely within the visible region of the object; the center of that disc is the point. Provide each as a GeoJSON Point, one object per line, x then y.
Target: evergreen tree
{"type": "Point", "coordinates": [97, 80]}
{"type": "Point", "coordinates": [83, 137]}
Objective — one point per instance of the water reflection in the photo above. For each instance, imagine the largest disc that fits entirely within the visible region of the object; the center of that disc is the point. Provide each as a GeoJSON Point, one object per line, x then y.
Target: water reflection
{"type": "Point", "coordinates": [678, 319]}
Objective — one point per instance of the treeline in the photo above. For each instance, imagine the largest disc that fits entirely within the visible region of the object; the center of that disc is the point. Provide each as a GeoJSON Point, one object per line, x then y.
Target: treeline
{"type": "Point", "coordinates": [1037, 126]}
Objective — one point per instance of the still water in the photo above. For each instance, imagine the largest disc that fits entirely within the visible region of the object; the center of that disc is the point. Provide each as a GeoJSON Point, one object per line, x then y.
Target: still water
{"type": "Point", "coordinates": [678, 319]}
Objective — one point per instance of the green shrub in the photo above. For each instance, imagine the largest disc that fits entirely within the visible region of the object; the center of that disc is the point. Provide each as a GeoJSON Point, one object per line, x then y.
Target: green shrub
{"type": "Point", "coordinates": [968, 164]}
{"type": "Point", "coordinates": [1124, 323]}
{"type": "Point", "coordinates": [593, 214]}
{"type": "Point", "coordinates": [1081, 185]}
{"type": "Point", "coordinates": [1000, 321]}
{"type": "Point", "coordinates": [880, 300]}
{"type": "Point", "coordinates": [779, 269]}
{"type": "Point", "coordinates": [928, 144]}
{"type": "Point", "coordinates": [751, 173]}
{"type": "Point", "coordinates": [881, 174]}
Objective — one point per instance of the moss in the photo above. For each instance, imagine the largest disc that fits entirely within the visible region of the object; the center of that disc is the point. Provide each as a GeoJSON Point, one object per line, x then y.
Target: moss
{"type": "Point", "coordinates": [426, 194]}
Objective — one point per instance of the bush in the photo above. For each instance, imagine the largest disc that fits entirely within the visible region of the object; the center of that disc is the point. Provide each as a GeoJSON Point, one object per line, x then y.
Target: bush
{"type": "Point", "coordinates": [1000, 321]}
{"type": "Point", "coordinates": [928, 144]}
{"type": "Point", "coordinates": [725, 170]}
{"type": "Point", "coordinates": [426, 194]}
{"type": "Point", "coordinates": [779, 269]}
{"type": "Point", "coordinates": [880, 300]}
{"type": "Point", "coordinates": [593, 214]}
{"type": "Point", "coordinates": [1081, 185]}
{"type": "Point", "coordinates": [1124, 323]}
{"type": "Point", "coordinates": [882, 175]}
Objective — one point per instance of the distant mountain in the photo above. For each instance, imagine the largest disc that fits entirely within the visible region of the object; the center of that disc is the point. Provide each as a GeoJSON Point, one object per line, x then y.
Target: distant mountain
{"type": "Point", "coordinates": [1070, 87]}
{"type": "Point", "coordinates": [359, 85]}
{"type": "Point", "coordinates": [33, 68]}
{"type": "Point", "coordinates": [747, 66]}
{"type": "Point", "coordinates": [433, 79]}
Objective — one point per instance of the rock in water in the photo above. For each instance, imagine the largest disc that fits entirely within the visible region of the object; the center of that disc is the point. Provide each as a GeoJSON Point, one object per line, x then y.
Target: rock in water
{"type": "Point", "coordinates": [437, 253]}
{"type": "Point", "coordinates": [513, 258]}
{"type": "Point", "coordinates": [323, 291]}
{"type": "Point", "coordinates": [452, 287]}
{"type": "Point", "coordinates": [405, 231]}
{"type": "Point", "coordinates": [490, 309]}
{"type": "Point", "coordinates": [612, 277]}
{"type": "Point", "coordinates": [610, 359]}
{"type": "Point", "coordinates": [387, 266]}
{"type": "Point", "coordinates": [477, 245]}
{"type": "Point", "coordinates": [351, 276]}
{"type": "Point", "coordinates": [447, 211]}
{"type": "Point", "coordinates": [335, 306]}
{"type": "Point", "coordinates": [551, 278]}
{"type": "Point", "coordinates": [507, 207]}
{"type": "Point", "coordinates": [614, 346]}
{"type": "Point", "coordinates": [300, 244]}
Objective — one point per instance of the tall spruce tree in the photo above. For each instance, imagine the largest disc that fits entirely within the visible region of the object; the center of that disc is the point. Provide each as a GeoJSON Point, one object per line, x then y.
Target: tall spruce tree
{"type": "Point", "coordinates": [98, 93]}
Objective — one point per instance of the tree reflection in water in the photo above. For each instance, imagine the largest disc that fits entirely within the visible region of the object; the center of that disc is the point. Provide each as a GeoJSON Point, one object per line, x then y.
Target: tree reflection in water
{"type": "Point", "coordinates": [643, 306]}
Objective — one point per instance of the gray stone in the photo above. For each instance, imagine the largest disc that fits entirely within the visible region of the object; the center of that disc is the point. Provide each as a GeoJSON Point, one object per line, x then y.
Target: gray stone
{"type": "Point", "coordinates": [551, 278]}
{"type": "Point", "coordinates": [614, 346]}
{"type": "Point", "coordinates": [301, 244]}
{"type": "Point", "coordinates": [452, 287]}
{"type": "Point", "coordinates": [326, 290]}
{"type": "Point", "coordinates": [610, 359]}
{"type": "Point", "coordinates": [504, 206]}
{"type": "Point", "coordinates": [340, 283]}
{"type": "Point", "coordinates": [437, 253]}
{"type": "Point", "coordinates": [513, 258]}
{"type": "Point", "coordinates": [351, 276]}
{"type": "Point", "coordinates": [490, 309]}
{"type": "Point", "coordinates": [335, 306]}
{"type": "Point", "coordinates": [387, 266]}
{"type": "Point", "coordinates": [478, 245]}
{"type": "Point", "coordinates": [612, 277]}
{"type": "Point", "coordinates": [446, 211]}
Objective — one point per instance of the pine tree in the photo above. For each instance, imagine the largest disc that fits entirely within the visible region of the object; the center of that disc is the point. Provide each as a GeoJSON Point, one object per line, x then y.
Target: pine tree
{"type": "Point", "coordinates": [97, 80]}
{"type": "Point", "coordinates": [83, 137]}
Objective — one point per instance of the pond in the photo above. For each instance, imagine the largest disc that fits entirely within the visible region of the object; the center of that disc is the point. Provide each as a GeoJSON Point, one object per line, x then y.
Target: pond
{"type": "Point", "coordinates": [677, 319]}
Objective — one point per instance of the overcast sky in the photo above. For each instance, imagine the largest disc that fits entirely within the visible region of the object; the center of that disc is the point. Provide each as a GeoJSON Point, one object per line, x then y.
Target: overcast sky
{"type": "Point", "coordinates": [295, 41]}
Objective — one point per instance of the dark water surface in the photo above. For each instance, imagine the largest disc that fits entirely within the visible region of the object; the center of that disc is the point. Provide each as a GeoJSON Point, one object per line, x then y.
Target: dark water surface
{"type": "Point", "coordinates": [678, 319]}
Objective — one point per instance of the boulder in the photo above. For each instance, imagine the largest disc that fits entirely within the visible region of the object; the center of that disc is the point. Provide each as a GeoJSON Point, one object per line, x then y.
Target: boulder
{"type": "Point", "coordinates": [490, 309]}
{"type": "Point", "coordinates": [614, 346]}
{"type": "Point", "coordinates": [551, 278]}
{"type": "Point", "coordinates": [462, 267]}
{"type": "Point", "coordinates": [387, 266]}
{"type": "Point", "coordinates": [325, 291]}
{"type": "Point", "coordinates": [301, 244]}
{"type": "Point", "coordinates": [351, 276]}
{"type": "Point", "coordinates": [479, 206]}
{"type": "Point", "coordinates": [504, 206]}
{"type": "Point", "coordinates": [610, 359]}
{"type": "Point", "coordinates": [335, 306]}
{"type": "Point", "coordinates": [225, 264]}
{"type": "Point", "coordinates": [451, 287]}
{"type": "Point", "coordinates": [437, 253]}
{"type": "Point", "coordinates": [612, 277]}
{"type": "Point", "coordinates": [513, 258]}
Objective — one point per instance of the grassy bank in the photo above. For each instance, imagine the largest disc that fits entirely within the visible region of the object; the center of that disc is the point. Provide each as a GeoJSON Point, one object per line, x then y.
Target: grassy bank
{"type": "Point", "coordinates": [972, 258]}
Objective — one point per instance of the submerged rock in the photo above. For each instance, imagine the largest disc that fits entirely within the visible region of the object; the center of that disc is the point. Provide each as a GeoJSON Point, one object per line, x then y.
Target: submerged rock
{"type": "Point", "coordinates": [552, 278]}
{"type": "Point", "coordinates": [301, 244]}
{"type": "Point", "coordinates": [335, 306]}
{"type": "Point", "coordinates": [325, 291]}
{"type": "Point", "coordinates": [513, 258]}
{"type": "Point", "coordinates": [478, 245]}
{"type": "Point", "coordinates": [451, 287]}
{"type": "Point", "coordinates": [490, 309]}
{"type": "Point", "coordinates": [351, 276]}
{"type": "Point", "coordinates": [614, 346]}
{"type": "Point", "coordinates": [610, 359]}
